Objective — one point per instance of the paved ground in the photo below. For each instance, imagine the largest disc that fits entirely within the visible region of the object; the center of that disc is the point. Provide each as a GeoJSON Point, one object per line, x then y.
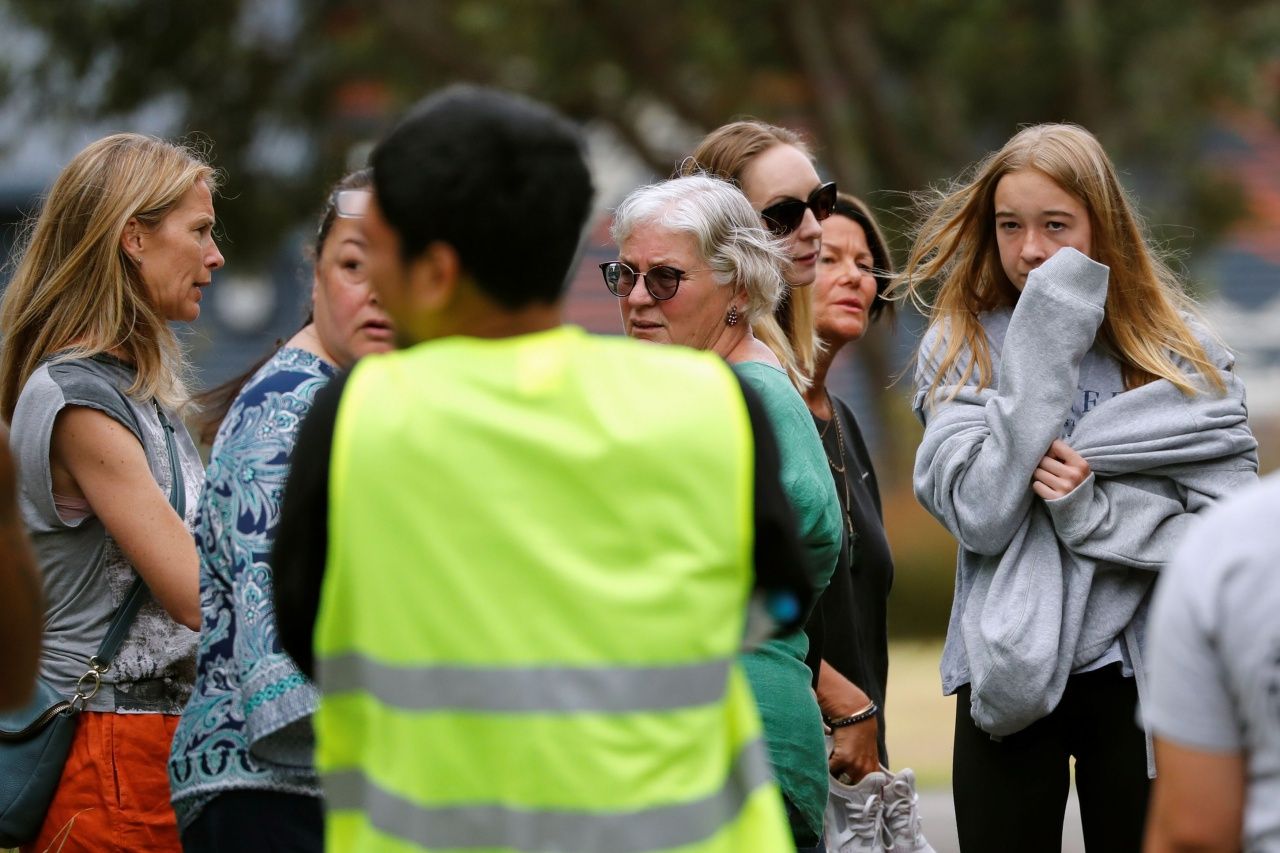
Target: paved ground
{"type": "Point", "coordinates": [939, 820]}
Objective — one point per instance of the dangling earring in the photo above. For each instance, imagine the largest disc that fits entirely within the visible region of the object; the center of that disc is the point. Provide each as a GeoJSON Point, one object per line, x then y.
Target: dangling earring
{"type": "Point", "coordinates": [732, 318]}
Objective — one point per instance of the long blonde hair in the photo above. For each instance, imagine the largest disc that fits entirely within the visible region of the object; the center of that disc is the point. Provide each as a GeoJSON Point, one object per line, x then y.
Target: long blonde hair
{"type": "Point", "coordinates": [790, 331]}
{"type": "Point", "coordinates": [74, 291]}
{"type": "Point", "coordinates": [955, 248]}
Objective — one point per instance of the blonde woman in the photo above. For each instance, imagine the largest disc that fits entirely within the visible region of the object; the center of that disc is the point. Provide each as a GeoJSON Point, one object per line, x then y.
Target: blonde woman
{"type": "Point", "coordinates": [1076, 418]}
{"type": "Point", "coordinates": [90, 380]}
{"type": "Point", "coordinates": [774, 169]}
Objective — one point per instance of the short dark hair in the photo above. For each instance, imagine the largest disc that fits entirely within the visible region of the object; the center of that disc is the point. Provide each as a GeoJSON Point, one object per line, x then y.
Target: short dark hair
{"type": "Point", "coordinates": [852, 207]}
{"type": "Point", "coordinates": [500, 178]}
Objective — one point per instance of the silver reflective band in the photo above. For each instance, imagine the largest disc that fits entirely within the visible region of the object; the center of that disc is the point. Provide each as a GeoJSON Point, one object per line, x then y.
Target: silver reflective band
{"type": "Point", "coordinates": [528, 689]}
{"type": "Point", "coordinates": [493, 825]}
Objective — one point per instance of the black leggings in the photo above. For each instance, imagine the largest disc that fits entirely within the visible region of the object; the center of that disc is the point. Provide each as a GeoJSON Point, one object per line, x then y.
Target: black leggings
{"type": "Point", "coordinates": [1011, 794]}
{"type": "Point", "coordinates": [257, 822]}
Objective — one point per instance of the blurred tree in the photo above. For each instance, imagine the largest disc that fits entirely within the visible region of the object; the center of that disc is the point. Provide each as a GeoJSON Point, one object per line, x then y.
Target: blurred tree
{"type": "Point", "coordinates": [897, 95]}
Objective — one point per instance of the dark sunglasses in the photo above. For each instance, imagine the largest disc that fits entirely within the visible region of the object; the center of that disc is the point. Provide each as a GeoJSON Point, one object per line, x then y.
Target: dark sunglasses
{"type": "Point", "coordinates": [786, 216]}
{"type": "Point", "coordinates": [661, 281]}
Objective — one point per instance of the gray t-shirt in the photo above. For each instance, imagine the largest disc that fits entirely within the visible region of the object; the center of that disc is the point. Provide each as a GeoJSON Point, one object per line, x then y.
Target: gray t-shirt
{"type": "Point", "coordinates": [86, 576]}
{"type": "Point", "coordinates": [1214, 648]}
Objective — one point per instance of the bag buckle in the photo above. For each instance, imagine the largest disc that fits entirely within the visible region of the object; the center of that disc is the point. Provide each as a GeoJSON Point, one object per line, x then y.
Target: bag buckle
{"type": "Point", "coordinates": [88, 685]}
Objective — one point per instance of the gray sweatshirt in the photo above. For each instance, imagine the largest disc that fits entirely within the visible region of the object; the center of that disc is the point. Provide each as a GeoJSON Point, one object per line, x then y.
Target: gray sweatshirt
{"type": "Point", "coordinates": [1046, 587]}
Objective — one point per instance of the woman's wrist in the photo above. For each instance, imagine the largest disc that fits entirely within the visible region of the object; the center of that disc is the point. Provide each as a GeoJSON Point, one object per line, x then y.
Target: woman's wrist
{"type": "Point", "coordinates": [867, 713]}
{"type": "Point", "coordinates": [838, 696]}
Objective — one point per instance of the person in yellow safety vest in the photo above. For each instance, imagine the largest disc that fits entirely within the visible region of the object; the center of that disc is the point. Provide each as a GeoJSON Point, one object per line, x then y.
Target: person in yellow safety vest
{"type": "Point", "coordinates": [520, 559]}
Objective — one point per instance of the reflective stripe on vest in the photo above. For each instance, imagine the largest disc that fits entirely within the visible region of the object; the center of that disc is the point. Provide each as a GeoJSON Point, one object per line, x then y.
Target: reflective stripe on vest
{"type": "Point", "coordinates": [528, 690]}
{"type": "Point", "coordinates": [548, 831]}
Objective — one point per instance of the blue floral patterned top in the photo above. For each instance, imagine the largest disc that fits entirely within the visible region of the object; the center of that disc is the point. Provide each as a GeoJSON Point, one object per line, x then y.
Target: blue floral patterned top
{"type": "Point", "coordinates": [248, 724]}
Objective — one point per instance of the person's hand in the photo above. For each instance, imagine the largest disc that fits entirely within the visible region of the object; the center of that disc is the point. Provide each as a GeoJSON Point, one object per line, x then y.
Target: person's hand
{"type": "Point", "coordinates": [854, 750]}
{"type": "Point", "coordinates": [1059, 472]}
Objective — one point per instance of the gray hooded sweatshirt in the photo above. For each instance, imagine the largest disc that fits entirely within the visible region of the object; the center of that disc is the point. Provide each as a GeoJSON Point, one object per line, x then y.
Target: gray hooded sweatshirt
{"type": "Point", "coordinates": [1044, 588]}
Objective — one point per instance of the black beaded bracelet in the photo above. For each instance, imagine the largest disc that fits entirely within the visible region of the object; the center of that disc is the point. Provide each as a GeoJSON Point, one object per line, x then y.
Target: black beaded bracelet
{"type": "Point", "coordinates": [865, 714]}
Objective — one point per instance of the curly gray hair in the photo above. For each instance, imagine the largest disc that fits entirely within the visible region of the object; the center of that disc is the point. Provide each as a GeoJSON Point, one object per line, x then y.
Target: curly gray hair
{"type": "Point", "coordinates": [724, 227]}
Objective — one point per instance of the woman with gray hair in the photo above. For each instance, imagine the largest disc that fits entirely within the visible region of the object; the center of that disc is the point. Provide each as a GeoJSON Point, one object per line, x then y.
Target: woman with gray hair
{"type": "Point", "coordinates": [709, 271]}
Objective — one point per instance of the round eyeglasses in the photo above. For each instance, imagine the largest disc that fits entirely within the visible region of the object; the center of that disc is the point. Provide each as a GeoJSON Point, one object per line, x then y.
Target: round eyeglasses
{"type": "Point", "coordinates": [661, 281]}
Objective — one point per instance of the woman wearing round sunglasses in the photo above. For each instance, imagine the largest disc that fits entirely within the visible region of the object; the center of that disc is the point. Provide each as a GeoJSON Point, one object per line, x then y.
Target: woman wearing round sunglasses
{"type": "Point", "coordinates": [240, 769]}
{"type": "Point", "coordinates": [696, 269]}
{"type": "Point", "coordinates": [773, 168]}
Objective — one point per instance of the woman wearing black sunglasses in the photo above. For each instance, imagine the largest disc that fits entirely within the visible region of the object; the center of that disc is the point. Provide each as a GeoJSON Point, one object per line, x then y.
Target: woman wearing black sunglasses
{"type": "Point", "coordinates": [773, 168]}
{"type": "Point", "coordinates": [695, 269]}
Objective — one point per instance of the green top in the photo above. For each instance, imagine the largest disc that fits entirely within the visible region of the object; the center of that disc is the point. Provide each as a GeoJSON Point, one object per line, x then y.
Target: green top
{"type": "Point", "coordinates": [777, 671]}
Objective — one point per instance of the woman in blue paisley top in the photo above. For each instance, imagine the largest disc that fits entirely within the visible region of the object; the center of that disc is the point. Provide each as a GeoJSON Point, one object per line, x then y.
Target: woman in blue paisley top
{"type": "Point", "coordinates": [240, 767]}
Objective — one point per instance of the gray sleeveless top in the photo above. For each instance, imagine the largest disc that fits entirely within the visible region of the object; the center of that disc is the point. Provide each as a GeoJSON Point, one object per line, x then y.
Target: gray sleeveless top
{"type": "Point", "coordinates": [85, 574]}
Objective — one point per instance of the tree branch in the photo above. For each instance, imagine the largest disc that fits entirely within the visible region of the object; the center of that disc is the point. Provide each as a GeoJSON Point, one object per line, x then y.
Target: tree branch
{"type": "Point", "coordinates": [858, 58]}
{"type": "Point", "coordinates": [642, 55]}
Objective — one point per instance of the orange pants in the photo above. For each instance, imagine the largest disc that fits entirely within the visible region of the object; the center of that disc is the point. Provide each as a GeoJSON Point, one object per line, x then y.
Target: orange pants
{"type": "Point", "coordinates": [113, 796]}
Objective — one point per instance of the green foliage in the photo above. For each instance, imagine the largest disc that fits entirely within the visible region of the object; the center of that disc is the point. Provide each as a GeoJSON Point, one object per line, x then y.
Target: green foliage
{"type": "Point", "coordinates": [899, 94]}
{"type": "Point", "coordinates": [229, 81]}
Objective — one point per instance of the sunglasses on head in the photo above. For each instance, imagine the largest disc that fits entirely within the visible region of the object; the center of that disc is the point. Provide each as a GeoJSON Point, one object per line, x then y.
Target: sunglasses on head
{"type": "Point", "coordinates": [786, 216]}
{"type": "Point", "coordinates": [350, 204]}
{"type": "Point", "coordinates": [661, 281]}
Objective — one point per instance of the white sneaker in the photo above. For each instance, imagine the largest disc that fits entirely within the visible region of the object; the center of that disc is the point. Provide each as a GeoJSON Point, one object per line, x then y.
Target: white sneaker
{"type": "Point", "coordinates": [901, 815]}
{"type": "Point", "coordinates": [855, 816]}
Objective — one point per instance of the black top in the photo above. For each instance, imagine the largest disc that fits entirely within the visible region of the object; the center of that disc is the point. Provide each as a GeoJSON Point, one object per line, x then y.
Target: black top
{"type": "Point", "coordinates": [849, 629]}
{"type": "Point", "coordinates": [302, 538]}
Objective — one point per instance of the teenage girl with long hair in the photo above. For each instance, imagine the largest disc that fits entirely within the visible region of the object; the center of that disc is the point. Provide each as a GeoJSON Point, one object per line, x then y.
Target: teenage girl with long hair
{"type": "Point", "coordinates": [1077, 415]}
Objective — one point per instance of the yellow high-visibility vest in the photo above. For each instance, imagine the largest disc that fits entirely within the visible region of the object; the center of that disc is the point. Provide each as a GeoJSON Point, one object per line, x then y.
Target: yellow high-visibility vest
{"type": "Point", "coordinates": [540, 556]}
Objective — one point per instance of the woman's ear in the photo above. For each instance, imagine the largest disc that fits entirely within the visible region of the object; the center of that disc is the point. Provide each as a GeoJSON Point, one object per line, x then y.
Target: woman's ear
{"type": "Point", "coordinates": [131, 239]}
